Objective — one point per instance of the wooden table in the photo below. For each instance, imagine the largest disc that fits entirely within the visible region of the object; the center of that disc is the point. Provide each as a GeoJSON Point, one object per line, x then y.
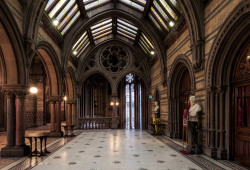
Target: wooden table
{"type": "Point", "coordinates": [160, 125]}
{"type": "Point", "coordinates": [41, 136]}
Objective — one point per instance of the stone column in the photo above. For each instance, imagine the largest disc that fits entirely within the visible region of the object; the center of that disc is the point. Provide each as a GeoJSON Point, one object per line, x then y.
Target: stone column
{"type": "Point", "coordinates": [58, 117]}
{"type": "Point", "coordinates": [11, 119]}
{"type": "Point", "coordinates": [52, 115]}
{"type": "Point", "coordinates": [20, 109]}
{"type": "Point", "coordinates": [69, 113]}
{"type": "Point", "coordinates": [74, 115]}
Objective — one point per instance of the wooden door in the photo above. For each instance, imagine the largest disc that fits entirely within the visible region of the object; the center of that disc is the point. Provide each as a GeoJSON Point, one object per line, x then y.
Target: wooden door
{"type": "Point", "coordinates": [241, 104]}
{"type": "Point", "coordinates": [185, 88]}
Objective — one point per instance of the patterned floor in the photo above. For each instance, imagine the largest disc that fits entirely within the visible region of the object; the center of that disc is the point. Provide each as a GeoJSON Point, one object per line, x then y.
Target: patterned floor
{"type": "Point", "coordinates": [116, 149]}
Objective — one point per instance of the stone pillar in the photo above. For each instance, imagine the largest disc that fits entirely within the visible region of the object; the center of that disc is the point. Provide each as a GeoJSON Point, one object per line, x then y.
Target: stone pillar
{"type": "Point", "coordinates": [114, 114]}
{"type": "Point", "coordinates": [58, 116]}
{"type": "Point", "coordinates": [52, 115]}
{"type": "Point", "coordinates": [69, 113]}
{"type": "Point", "coordinates": [20, 109]}
{"type": "Point", "coordinates": [15, 121]}
{"type": "Point", "coordinates": [74, 115]}
{"type": "Point", "coordinates": [11, 119]}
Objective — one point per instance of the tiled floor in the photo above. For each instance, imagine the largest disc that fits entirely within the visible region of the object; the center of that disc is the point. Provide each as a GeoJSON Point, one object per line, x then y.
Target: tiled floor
{"type": "Point", "coordinates": [116, 149]}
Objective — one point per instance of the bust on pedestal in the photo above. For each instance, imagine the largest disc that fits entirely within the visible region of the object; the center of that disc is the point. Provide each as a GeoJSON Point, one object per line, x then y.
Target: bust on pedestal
{"type": "Point", "coordinates": [193, 126]}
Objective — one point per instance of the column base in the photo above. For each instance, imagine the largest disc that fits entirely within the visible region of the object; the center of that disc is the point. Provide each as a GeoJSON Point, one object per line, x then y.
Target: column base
{"type": "Point", "coordinates": [222, 153]}
{"type": "Point", "coordinates": [15, 151]}
{"type": "Point", "coordinates": [56, 134]}
{"type": "Point", "coordinates": [210, 151]}
{"type": "Point", "coordinates": [114, 123]}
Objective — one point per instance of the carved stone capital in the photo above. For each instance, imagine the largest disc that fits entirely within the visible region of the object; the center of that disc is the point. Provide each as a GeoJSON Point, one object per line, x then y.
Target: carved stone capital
{"type": "Point", "coordinates": [164, 77]}
{"type": "Point", "coordinates": [198, 54]}
{"type": "Point", "coordinates": [30, 47]}
{"type": "Point", "coordinates": [56, 98]}
{"type": "Point", "coordinates": [18, 90]}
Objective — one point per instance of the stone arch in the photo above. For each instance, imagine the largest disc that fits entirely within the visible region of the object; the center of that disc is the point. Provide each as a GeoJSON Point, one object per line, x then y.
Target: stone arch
{"type": "Point", "coordinates": [148, 30]}
{"type": "Point", "coordinates": [194, 15]}
{"type": "Point", "coordinates": [12, 48]}
{"type": "Point", "coordinates": [179, 66]}
{"type": "Point", "coordinates": [230, 40]}
{"type": "Point", "coordinates": [52, 67]}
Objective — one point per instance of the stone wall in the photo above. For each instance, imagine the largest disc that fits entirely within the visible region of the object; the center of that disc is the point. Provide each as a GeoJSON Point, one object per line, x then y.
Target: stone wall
{"type": "Point", "coordinates": [215, 14]}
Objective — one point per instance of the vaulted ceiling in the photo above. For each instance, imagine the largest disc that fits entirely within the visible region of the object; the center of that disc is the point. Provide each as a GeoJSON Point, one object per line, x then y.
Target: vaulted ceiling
{"type": "Point", "coordinates": [161, 15]}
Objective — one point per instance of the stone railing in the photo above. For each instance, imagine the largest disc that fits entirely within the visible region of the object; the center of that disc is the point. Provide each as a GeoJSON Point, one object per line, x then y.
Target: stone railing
{"type": "Point", "coordinates": [95, 123]}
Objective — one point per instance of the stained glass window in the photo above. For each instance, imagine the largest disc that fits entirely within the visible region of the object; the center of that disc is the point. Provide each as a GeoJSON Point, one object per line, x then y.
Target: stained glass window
{"type": "Point", "coordinates": [126, 29]}
{"type": "Point", "coordinates": [81, 44]}
{"type": "Point", "coordinates": [89, 4]}
{"type": "Point", "coordinates": [137, 4]}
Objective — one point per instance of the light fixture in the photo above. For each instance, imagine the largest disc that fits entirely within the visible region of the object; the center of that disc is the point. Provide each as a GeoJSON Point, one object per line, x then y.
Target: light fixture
{"type": "Point", "coordinates": [171, 23]}
{"type": "Point", "coordinates": [33, 90]}
{"type": "Point", "coordinates": [152, 52]}
{"type": "Point", "coordinates": [55, 22]}
{"type": "Point", "coordinates": [248, 56]}
{"type": "Point", "coordinates": [117, 104]}
{"type": "Point", "coordinates": [65, 98]}
{"type": "Point", "coordinates": [112, 103]}
{"type": "Point", "coordinates": [74, 52]}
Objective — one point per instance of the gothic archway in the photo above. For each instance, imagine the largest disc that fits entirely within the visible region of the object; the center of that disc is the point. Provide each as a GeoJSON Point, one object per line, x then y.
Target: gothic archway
{"type": "Point", "coordinates": [181, 85]}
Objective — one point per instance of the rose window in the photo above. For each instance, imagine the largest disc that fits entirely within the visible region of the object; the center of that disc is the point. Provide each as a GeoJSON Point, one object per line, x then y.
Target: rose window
{"type": "Point", "coordinates": [114, 58]}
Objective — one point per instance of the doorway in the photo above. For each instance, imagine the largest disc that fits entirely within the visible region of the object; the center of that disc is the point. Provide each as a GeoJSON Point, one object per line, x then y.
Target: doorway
{"type": "Point", "coordinates": [241, 107]}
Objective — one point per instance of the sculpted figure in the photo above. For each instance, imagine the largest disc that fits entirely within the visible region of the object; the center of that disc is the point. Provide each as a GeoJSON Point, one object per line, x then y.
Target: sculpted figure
{"type": "Point", "coordinates": [194, 109]}
{"type": "Point", "coordinates": [157, 110]}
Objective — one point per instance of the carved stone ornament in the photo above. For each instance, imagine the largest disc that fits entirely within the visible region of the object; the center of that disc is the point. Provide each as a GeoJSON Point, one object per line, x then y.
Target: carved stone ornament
{"type": "Point", "coordinates": [114, 58]}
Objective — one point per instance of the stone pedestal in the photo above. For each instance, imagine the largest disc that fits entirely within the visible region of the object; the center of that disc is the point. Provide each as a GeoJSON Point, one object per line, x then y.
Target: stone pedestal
{"type": "Point", "coordinates": [114, 123]}
{"type": "Point", "coordinates": [193, 146]}
{"type": "Point", "coordinates": [15, 151]}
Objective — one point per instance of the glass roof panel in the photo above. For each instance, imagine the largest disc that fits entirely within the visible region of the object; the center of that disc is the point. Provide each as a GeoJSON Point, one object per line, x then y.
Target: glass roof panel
{"type": "Point", "coordinates": [126, 23]}
{"type": "Point", "coordinates": [68, 17]}
{"type": "Point", "coordinates": [81, 44]}
{"type": "Point", "coordinates": [126, 28]}
{"type": "Point", "coordinates": [77, 15]}
{"type": "Point", "coordinates": [145, 44]}
{"type": "Point", "coordinates": [154, 21]}
{"type": "Point", "coordinates": [125, 35]}
{"type": "Point", "coordinates": [174, 2]}
{"type": "Point", "coordinates": [161, 11]}
{"type": "Point", "coordinates": [91, 4]}
{"type": "Point", "coordinates": [49, 4]}
{"type": "Point", "coordinates": [101, 28]}
{"type": "Point", "coordinates": [144, 36]}
{"type": "Point", "coordinates": [65, 10]}
{"type": "Point", "coordinates": [159, 18]}
{"type": "Point", "coordinates": [170, 11]}
{"type": "Point", "coordinates": [138, 4]}
{"type": "Point", "coordinates": [56, 8]}
{"type": "Point", "coordinates": [101, 23]}
{"type": "Point", "coordinates": [126, 32]}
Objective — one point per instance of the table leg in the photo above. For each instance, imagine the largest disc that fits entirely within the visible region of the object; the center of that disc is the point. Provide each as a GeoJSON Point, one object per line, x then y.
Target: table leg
{"type": "Point", "coordinates": [30, 139]}
{"type": "Point", "coordinates": [41, 146]}
{"type": "Point", "coordinates": [35, 151]}
{"type": "Point", "coordinates": [45, 141]}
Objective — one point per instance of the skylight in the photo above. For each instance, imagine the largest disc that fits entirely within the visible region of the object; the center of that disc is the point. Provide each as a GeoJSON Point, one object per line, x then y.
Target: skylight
{"type": "Point", "coordinates": [164, 13]}
{"type": "Point", "coordinates": [81, 44]}
{"type": "Point", "coordinates": [90, 4]}
{"type": "Point", "coordinates": [137, 4]}
{"type": "Point", "coordinates": [102, 29]}
{"type": "Point", "coordinates": [63, 13]}
{"type": "Point", "coordinates": [126, 29]}
{"type": "Point", "coordinates": [146, 45]}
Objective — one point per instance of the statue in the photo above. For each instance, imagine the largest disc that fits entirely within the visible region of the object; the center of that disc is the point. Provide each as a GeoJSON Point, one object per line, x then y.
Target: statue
{"type": "Point", "coordinates": [195, 108]}
{"type": "Point", "coordinates": [156, 117]}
